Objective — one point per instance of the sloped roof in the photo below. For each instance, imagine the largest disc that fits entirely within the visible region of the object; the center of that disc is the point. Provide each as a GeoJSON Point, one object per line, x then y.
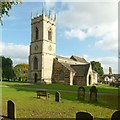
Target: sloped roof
{"type": "Point", "coordinates": [81, 70]}
{"type": "Point", "coordinates": [64, 58]}
{"type": "Point", "coordinates": [68, 66]}
{"type": "Point", "coordinates": [79, 59]}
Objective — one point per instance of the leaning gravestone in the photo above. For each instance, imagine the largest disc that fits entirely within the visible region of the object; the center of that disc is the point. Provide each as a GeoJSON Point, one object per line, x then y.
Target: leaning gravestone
{"type": "Point", "coordinates": [116, 115]}
{"type": "Point", "coordinates": [11, 110]}
{"type": "Point", "coordinates": [57, 96]}
{"type": "Point", "coordinates": [81, 93]}
{"type": "Point", "coordinates": [93, 94]}
{"type": "Point", "coordinates": [83, 116]}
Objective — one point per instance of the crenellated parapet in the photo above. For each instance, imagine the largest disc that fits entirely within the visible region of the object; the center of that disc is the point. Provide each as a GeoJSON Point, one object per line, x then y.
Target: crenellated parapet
{"type": "Point", "coordinates": [50, 18]}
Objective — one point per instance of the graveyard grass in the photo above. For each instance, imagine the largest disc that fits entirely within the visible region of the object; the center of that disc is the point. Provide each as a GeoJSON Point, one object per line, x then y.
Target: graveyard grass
{"type": "Point", "coordinates": [28, 106]}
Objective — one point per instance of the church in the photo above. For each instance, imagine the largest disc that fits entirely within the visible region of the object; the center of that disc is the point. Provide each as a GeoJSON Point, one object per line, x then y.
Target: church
{"type": "Point", "coordinates": [45, 67]}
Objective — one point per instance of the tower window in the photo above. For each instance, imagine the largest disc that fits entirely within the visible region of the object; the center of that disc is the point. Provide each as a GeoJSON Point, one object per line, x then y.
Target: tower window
{"type": "Point", "coordinates": [50, 34]}
{"type": "Point", "coordinates": [35, 63]}
{"type": "Point", "coordinates": [37, 33]}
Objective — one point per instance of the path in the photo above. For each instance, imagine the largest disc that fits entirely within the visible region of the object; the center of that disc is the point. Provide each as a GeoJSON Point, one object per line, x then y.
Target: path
{"type": "Point", "coordinates": [51, 90]}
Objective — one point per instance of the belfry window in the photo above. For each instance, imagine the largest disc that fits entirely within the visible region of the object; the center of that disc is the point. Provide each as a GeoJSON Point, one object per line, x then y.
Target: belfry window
{"type": "Point", "coordinates": [35, 63]}
{"type": "Point", "coordinates": [50, 34]}
{"type": "Point", "coordinates": [61, 75]}
{"type": "Point", "coordinates": [36, 33]}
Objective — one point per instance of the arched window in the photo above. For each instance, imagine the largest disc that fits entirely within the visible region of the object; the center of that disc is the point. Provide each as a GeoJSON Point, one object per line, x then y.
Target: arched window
{"type": "Point", "coordinates": [61, 75]}
{"type": "Point", "coordinates": [50, 34]}
{"type": "Point", "coordinates": [36, 33]}
{"type": "Point", "coordinates": [35, 63]}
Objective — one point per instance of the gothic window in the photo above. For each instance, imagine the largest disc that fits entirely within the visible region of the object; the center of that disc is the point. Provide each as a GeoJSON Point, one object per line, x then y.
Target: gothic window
{"type": "Point", "coordinates": [61, 75]}
{"type": "Point", "coordinates": [36, 33]}
{"type": "Point", "coordinates": [35, 63]}
{"type": "Point", "coordinates": [50, 34]}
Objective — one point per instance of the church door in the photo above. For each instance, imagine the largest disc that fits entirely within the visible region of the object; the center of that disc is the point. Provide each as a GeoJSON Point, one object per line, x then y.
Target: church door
{"type": "Point", "coordinates": [35, 78]}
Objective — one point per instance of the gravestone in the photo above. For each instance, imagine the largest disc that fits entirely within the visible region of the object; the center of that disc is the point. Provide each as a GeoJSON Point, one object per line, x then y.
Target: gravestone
{"type": "Point", "coordinates": [93, 94]}
{"type": "Point", "coordinates": [57, 96]}
{"type": "Point", "coordinates": [116, 115]}
{"type": "Point", "coordinates": [10, 110]}
{"type": "Point", "coordinates": [81, 93]}
{"type": "Point", "coordinates": [83, 116]}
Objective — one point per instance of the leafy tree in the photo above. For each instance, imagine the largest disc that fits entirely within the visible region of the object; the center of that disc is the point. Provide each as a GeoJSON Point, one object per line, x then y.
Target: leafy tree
{"type": "Point", "coordinates": [5, 6]}
{"type": "Point", "coordinates": [21, 72]}
{"type": "Point", "coordinates": [97, 67]}
{"type": "Point", "coordinates": [7, 68]}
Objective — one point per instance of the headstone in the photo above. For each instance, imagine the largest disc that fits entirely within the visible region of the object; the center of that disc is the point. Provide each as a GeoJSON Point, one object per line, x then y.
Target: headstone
{"type": "Point", "coordinates": [81, 93]}
{"type": "Point", "coordinates": [10, 110]}
{"type": "Point", "coordinates": [116, 115]}
{"type": "Point", "coordinates": [83, 116]}
{"type": "Point", "coordinates": [57, 96]}
{"type": "Point", "coordinates": [93, 94]}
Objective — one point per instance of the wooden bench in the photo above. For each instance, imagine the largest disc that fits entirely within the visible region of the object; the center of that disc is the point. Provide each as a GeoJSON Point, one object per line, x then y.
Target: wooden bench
{"type": "Point", "coordinates": [42, 93]}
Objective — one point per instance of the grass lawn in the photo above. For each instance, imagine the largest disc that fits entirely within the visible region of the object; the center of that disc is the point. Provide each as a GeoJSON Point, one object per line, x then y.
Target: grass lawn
{"type": "Point", "coordinates": [28, 106]}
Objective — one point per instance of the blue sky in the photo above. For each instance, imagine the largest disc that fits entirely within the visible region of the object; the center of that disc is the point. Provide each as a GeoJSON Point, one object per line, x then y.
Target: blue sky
{"type": "Point", "coordinates": [86, 29]}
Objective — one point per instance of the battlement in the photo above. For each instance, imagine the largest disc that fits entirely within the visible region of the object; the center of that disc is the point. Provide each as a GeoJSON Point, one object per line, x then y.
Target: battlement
{"type": "Point", "coordinates": [48, 18]}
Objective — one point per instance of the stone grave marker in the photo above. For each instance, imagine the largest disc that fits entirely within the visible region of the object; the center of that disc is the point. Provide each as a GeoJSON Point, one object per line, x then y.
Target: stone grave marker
{"type": "Point", "coordinates": [116, 115]}
{"type": "Point", "coordinates": [57, 96]}
{"type": "Point", "coordinates": [10, 110]}
{"type": "Point", "coordinates": [93, 94]}
{"type": "Point", "coordinates": [81, 93]}
{"type": "Point", "coordinates": [83, 116]}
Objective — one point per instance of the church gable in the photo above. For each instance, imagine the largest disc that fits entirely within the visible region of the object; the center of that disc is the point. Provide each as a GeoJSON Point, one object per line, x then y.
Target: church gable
{"type": "Point", "coordinates": [61, 72]}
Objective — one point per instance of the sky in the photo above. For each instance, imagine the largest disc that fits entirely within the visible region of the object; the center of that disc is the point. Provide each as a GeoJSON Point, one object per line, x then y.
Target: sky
{"type": "Point", "coordinates": [87, 29]}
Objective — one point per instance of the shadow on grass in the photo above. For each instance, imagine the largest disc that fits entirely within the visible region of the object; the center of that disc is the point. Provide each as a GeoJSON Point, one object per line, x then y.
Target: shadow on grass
{"type": "Point", "coordinates": [67, 93]}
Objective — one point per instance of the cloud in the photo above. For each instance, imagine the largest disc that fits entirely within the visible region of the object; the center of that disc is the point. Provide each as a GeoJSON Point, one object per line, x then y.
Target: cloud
{"type": "Point", "coordinates": [99, 19]}
{"type": "Point", "coordinates": [75, 33]}
{"type": "Point", "coordinates": [106, 62]}
{"type": "Point", "coordinates": [18, 53]}
{"type": "Point", "coordinates": [110, 39]}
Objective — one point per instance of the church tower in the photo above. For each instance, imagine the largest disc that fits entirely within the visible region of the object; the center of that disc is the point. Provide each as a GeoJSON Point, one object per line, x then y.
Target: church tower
{"type": "Point", "coordinates": [42, 48]}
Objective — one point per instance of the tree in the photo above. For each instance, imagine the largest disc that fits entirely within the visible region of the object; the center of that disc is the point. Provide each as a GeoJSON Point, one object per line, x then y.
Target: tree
{"type": "Point", "coordinates": [7, 68]}
{"type": "Point", "coordinates": [97, 67]}
{"type": "Point", "coordinates": [21, 72]}
{"type": "Point", "coordinates": [6, 6]}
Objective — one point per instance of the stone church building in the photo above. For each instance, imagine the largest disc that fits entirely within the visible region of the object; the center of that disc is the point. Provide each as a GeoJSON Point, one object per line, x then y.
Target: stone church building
{"type": "Point", "coordinates": [45, 67]}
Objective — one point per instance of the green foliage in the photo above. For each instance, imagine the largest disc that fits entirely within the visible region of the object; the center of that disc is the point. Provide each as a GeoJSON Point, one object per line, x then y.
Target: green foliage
{"type": "Point", "coordinates": [7, 68]}
{"type": "Point", "coordinates": [21, 72]}
{"type": "Point", "coordinates": [96, 66]}
{"type": "Point", "coordinates": [6, 6]}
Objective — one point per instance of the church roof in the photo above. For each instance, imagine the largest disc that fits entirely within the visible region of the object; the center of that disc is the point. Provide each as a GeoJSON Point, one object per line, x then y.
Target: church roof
{"type": "Point", "coordinates": [72, 60]}
{"type": "Point", "coordinates": [68, 66]}
{"type": "Point", "coordinates": [81, 70]}
{"type": "Point", "coordinates": [79, 59]}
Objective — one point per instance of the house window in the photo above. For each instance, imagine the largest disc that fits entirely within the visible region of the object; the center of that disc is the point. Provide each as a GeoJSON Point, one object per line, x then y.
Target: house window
{"type": "Point", "coordinates": [36, 33]}
{"type": "Point", "coordinates": [50, 34]}
{"type": "Point", "coordinates": [61, 75]}
{"type": "Point", "coordinates": [35, 63]}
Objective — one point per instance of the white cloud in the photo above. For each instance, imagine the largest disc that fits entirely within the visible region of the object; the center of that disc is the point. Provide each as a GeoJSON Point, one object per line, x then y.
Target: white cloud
{"type": "Point", "coordinates": [110, 39]}
{"type": "Point", "coordinates": [75, 33]}
{"type": "Point", "coordinates": [18, 53]}
{"type": "Point", "coordinates": [100, 20]}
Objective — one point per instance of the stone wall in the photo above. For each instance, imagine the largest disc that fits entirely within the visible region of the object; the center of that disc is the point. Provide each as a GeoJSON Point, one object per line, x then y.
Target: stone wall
{"type": "Point", "coordinates": [57, 68]}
